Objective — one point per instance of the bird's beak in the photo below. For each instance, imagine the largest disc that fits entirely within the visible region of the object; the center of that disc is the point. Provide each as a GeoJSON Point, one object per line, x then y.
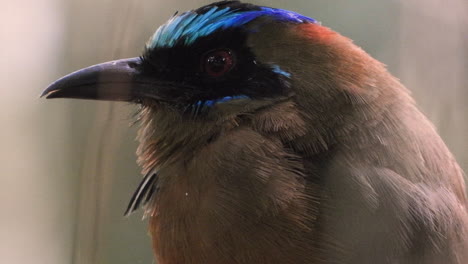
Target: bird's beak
{"type": "Point", "coordinates": [118, 80]}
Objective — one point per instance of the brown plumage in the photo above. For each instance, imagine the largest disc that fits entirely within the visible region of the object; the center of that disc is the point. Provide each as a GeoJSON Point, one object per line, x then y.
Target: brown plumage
{"type": "Point", "coordinates": [340, 168]}
{"type": "Point", "coordinates": [345, 171]}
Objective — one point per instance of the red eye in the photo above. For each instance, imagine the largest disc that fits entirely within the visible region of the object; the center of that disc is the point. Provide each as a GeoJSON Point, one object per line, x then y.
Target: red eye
{"type": "Point", "coordinates": [218, 62]}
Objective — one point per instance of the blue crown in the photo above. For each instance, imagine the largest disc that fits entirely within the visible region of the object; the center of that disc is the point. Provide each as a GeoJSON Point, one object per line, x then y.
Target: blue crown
{"type": "Point", "coordinates": [190, 26]}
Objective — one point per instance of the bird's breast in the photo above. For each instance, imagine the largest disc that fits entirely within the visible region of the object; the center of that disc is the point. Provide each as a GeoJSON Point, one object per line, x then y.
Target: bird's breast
{"type": "Point", "coordinates": [240, 199]}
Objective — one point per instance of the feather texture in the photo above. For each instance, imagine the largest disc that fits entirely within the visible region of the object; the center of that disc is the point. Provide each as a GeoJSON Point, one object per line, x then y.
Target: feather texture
{"type": "Point", "coordinates": [143, 193]}
{"type": "Point", "coordinates": [190, 26]}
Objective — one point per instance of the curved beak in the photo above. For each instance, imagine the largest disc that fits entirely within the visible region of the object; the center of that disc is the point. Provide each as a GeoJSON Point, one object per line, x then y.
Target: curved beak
{"type": "Point", "coordinates": [118, 80]}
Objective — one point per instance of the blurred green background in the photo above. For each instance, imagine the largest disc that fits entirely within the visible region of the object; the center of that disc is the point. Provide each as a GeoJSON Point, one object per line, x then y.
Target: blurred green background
{"type": "Point", "coordinates": [68, 167]}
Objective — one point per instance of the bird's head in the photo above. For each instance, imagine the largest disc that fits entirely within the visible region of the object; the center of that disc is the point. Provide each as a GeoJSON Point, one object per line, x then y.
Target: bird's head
{"type": "Point", "coordinates": [195, 61]}
{"type": "Point", "coordinates": [208, 70]}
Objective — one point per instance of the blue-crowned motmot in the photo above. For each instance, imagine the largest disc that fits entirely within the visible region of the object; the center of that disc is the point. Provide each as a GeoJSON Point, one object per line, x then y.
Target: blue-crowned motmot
{"type": "Point", "coordinates": [266, 137]}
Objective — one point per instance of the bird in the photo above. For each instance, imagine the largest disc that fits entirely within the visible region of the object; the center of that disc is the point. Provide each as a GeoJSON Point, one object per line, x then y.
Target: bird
{"type": "Point", "coordinates": [266, 137]}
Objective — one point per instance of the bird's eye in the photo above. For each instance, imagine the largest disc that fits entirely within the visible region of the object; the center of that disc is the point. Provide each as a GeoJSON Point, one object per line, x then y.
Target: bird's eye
{"type": "Point", "coordinates": [216, 63]}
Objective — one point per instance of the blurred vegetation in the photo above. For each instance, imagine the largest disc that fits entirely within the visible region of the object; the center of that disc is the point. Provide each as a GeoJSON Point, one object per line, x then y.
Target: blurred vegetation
{"type": "Point", "coordinates": [68, 167]}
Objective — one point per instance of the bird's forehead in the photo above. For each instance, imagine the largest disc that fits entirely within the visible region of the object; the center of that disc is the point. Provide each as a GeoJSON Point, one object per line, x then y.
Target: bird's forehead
{"type": "Point", "coordinates": [186, 28]}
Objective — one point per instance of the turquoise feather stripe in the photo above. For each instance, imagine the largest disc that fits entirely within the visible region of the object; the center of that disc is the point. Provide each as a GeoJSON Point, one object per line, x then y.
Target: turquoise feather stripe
{"type": "Point", "coordinates": [278, 70]}
{"type": "Point", "coordinates": [190, 26]}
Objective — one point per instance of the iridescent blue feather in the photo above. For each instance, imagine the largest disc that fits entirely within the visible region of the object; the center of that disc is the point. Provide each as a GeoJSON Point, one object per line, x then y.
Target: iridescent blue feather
{"type": "Point", "coordinates": [190, 26]}
{"type": "Point", "coordinates": [210, 103]}
{"type": "Point", "coordinates": [278, 70]}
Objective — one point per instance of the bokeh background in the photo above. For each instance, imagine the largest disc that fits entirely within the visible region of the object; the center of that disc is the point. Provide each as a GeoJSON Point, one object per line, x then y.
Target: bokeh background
{"type": "Point", "coordinates": [67, 168]}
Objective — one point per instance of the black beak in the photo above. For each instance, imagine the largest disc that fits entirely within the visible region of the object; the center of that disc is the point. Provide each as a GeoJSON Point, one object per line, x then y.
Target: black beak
{"type": "Point", "coordinates": [118, 80]}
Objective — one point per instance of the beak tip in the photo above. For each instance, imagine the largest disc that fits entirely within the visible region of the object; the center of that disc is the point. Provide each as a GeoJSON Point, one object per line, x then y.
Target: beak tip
{"type": "Point", "coordinates": [49, 92]}
{"type": "Point", "coordinates": [44, 94]}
